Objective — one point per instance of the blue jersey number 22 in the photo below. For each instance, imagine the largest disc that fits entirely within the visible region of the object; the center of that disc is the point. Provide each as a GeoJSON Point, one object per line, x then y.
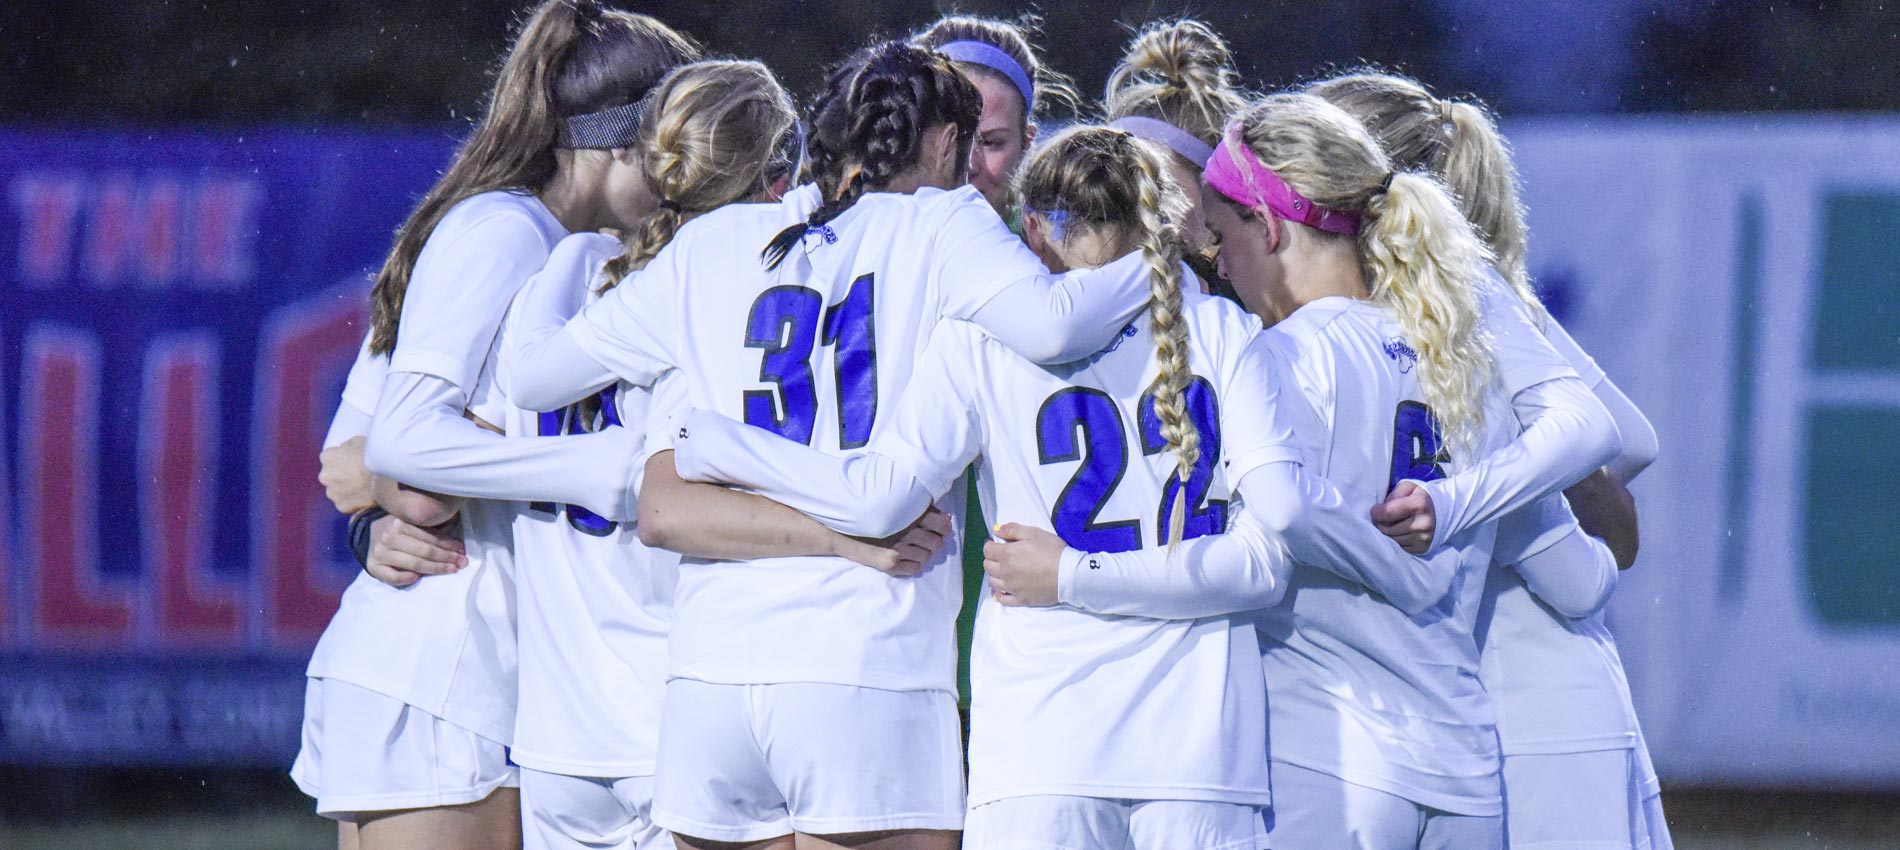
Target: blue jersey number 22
{"type": "Point", "coordinates": [1083, 423]}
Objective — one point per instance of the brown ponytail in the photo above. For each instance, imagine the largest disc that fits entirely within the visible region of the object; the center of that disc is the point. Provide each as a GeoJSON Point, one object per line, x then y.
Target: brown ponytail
{"type": "Point", "coordinates": [570, 57]}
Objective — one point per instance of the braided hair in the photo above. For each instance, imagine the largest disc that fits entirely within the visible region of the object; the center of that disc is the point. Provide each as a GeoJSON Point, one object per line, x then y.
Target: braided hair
{"type": "Point", "coordinates": [1102, 181]}
{"type": "Point", "coordinates": [869, 124]}
{"type": "Point", "coordinates": [706, 142]}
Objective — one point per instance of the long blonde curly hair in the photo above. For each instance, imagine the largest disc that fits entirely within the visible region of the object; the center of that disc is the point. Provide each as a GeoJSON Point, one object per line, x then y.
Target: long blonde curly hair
{"type": "Point", "coordinates": [1421, 258]}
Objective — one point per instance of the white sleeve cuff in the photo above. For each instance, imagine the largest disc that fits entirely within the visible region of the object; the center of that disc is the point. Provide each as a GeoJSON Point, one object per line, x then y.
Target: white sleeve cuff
{"type": "Point", "coordinates": [1065, 574]}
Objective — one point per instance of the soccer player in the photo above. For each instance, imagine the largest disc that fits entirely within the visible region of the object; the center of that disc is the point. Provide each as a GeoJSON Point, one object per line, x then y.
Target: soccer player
{"type": "Point", "coordinates": [1382, 737]}
{"type": "Point", "coordinates": [1129, 727]}
{"type": "Point", "coordinates": [1576, 770]}
{"type": "Point", "coordinates": [809, 696]}
{"type": "Point", "coordinates": [411, 699]}
{"type": "Point", "coordinates": [594, 603]}
{"type": "Point", "coordinates": [1175, 89]}
{"type": "Point", "coordinates": [998, 58]}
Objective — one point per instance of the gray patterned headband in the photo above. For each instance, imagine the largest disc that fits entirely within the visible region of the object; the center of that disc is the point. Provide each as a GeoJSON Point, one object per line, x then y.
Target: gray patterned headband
{"type": "Point", "coordinates": [613, 127]}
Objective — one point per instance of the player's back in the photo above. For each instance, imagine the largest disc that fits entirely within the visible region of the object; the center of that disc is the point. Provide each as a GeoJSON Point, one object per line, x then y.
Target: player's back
{"type": "Point", "coordinates": [594, 603]}
{"type": "Point", "coordinates": [1357, 688]}
{"type": "Point", "coordinates": [1069, 702]}
{"type": "Point", "coordinates": [811, 350]}
{"type": "Point", "coordinates": [457, 630]}
{"type": "Point", "coordinates": [1558, 682]}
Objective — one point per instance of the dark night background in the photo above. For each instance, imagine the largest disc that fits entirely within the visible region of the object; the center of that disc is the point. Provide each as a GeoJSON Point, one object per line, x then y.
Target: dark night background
{"type": "Point", "coordinates": [349, 62]}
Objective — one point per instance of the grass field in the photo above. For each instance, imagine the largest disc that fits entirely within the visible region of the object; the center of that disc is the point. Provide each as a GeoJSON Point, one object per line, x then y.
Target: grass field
{"type": "Point", "coordinates": [252, 810]}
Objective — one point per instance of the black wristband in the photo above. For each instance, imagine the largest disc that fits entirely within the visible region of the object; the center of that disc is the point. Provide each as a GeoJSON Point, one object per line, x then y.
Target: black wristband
{"type": "Point", "coordinates": [359, 533]}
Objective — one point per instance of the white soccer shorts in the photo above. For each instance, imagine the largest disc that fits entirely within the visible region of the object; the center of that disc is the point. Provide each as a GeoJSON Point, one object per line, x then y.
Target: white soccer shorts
{"type": "Point", "coordinates": [1574, 801]}
{"type": "Point", "coordinates": [750, 762]}
{"type": "Point", "coordinates": [560, 812]}
{"type": "Point", "coordinates": [367, 752]}
{"type": "Point", "coordinates": [1317, 810]}
{"type": "Point", "coordinates": [1053, 822]}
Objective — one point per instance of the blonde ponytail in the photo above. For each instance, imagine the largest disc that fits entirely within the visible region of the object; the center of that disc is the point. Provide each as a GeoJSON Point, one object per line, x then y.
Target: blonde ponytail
{"type": "Point", "coordinates": [1481, 172]}
{"type": "Point", "coordinates": [1455, 140]}
{"type": "Point", "coordinates": [1180, 72]}
{"type": "Point", "coordinates": [707, 142]}
{"type": "Point", "coordinates": [1422, 259]}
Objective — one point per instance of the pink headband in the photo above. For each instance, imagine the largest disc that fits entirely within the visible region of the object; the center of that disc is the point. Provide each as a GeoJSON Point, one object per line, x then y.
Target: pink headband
{"type": "Point", "coordinates": [1234, 171]}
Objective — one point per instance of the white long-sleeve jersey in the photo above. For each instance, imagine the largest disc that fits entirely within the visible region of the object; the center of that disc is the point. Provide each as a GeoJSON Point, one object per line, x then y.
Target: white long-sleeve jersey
{"type": "Point", "coordinates": [1567, 433]}
{"type": "Point", "coordinates": [1065, 701]}
{"type": "Point", "coordinates": [447, 644]}
{"type": "Point", "coordinates": [1358, 688]}
{"type": "Point", "coordinates": [1549, 660]}
{"type": "Point", "coordinates": [813, 350]}
{"type": "Point", "coordinates": [593, 603]}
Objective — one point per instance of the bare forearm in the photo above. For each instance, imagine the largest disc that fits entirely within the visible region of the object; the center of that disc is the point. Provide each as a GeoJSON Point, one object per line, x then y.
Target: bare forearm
{"type": "Point", "coordinates": [711, 521]}
{"type": "Point", "coordinates": [1606, 510]}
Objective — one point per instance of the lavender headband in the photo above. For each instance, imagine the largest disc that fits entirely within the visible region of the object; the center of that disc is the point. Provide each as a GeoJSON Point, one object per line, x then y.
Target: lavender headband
{"type": "Point", "coordinates": [992, 57]}
{"type": "Point", "coordinates": [1167, 135]}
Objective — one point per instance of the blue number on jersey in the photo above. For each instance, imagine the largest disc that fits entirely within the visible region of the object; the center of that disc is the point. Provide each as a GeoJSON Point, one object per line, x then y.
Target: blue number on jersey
{"type": "Point", "coordinates": [784, 322]}
{"type": "Point", "coordinates": [850, 325]}
{"type": "Point", "coordinates": [1417, 448]}
{"type": "Point", "coordinates": [1205, 516]}
{"type": "Point", "coordinates": [1094, 415]}
{"type": "Point", "coordinates": [573, 419]}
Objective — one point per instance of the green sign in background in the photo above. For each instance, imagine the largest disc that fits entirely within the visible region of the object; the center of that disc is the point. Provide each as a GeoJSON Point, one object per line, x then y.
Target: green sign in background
{"type": "Point", "coordinates": [1853, 447]}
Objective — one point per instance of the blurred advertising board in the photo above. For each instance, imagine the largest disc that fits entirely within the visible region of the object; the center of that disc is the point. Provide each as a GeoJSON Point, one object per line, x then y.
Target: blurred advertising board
{"type": "Point", "coordinates": [177, 313]}
{"type": "Point", "coordinates": [1740, 279]}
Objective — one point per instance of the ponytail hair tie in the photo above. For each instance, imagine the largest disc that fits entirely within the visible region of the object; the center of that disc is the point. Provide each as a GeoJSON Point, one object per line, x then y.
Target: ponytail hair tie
{"type": "Point", "coordinates": [670, 205]}
{"type": "Point", "coordinates": [1386, 184]}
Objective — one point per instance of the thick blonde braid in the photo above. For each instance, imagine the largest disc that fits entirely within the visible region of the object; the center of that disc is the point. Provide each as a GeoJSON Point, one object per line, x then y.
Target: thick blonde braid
{"type": "Point", "coordinates": [1160, 239]}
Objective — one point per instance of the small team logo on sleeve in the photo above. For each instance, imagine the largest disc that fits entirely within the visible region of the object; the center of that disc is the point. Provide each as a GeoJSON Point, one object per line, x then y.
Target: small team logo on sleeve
{"type": "Point", "coordinates": [1401, 354]}
{"type": "Point", "coordinates": [1128, 332]}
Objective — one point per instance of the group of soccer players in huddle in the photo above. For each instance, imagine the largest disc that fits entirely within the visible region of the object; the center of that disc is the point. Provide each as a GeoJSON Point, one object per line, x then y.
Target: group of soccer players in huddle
{"type": "Point", "coordinates": [657, 451]}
